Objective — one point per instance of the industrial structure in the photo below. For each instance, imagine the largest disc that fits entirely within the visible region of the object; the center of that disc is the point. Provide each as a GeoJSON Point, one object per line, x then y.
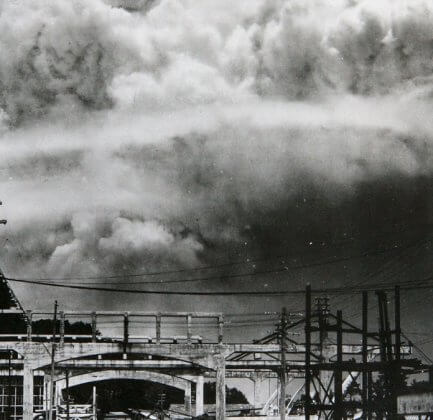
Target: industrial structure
{"type": "Point", "coordinates": [347, 370]}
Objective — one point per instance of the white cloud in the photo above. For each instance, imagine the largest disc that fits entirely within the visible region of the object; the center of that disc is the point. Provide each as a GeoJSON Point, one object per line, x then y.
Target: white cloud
{"type": "Point", "coordinates": [174, 133]}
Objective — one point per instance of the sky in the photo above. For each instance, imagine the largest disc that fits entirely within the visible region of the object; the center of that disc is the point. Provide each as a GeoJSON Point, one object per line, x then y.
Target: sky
{"type": "Point", "coordinates": [188, 134]}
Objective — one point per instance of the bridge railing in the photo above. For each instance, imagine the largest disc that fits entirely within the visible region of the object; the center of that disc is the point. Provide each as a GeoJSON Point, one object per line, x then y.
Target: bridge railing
{"type": "Point", "coordinates": [105, 326]}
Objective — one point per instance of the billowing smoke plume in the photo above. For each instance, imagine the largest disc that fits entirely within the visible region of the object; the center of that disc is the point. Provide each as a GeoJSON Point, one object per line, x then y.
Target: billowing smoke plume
{"type": "Point", "coordinates": [195, 132]}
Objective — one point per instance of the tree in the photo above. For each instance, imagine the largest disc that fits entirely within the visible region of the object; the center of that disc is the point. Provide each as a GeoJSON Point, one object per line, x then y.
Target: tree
{"type": "Point", "coordinates": [233, 395]}
{"type": "Point", "coordinates": [16, 324]}
{"type": "Point", "coordinates": [122, 394]}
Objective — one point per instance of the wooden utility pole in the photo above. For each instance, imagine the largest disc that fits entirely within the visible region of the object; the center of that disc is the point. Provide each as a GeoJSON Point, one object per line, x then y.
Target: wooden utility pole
{"type": "Point", "coordinates": [283, 367]}
{"type": "Point", "coordinates": [397, 374]}
{"type": "Point", "coordinates": [366, 409]}
{"type": "Point", "coordinates": [94, 402]}
{"type": "Point", "coordinates": [397, 324]}
{"type": "Point", "coordinates": [53, 355]}
{"type": "Point", "coordinates": [67, 394]}
{"type": "Point", "coordinates": [9, 385]}
{"type": "Point", "coordinates": [338, 373]}
{"type": "Point", "coordinates": [160, 406]}
{"type": "Point", "coordinates": [307, 352]}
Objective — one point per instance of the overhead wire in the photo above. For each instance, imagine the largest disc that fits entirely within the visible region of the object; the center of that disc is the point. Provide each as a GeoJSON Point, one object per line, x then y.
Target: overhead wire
{"type": "Point", "coordinates": [423, 354]}
{"type": "Point", "coordinates": [392, 262]}
{"type": "Point", "coordinates": [201, 293]}
{"type": "Point", "coordinates": [284, 269]}
{"type": "Point", "coordinates": [387, 275]}
{"type": "Point", "coordinates": [222, 265]}
{"type": "Point", "coordinates": [407, 285]}
{"type": "Point", "coordinates": [177, 271]}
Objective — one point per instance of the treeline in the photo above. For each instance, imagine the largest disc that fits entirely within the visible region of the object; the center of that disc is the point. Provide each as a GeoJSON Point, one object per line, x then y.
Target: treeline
{"type": "Point", "coordinates": [16, 324]}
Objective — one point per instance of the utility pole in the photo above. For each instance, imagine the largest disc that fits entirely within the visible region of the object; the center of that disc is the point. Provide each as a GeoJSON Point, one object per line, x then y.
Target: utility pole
{"type": "Point", "coordinates": [9, 385]}
{"type": "Point", "coordinates": [67, 394]}
{"type": "Point", "coordinates": [94, 401]}
{"type": "Point", "coordinates": [53, 355]}
{"type": "Point", "coordinates": [366, 403]}
{"type": "Point", "coordinates": [322, 311]}
{"type": "Point", "coordinates": [338, 372]}
{"type": "Point", "coordinates": [397, 380]}
{"type": "Point", "coordinates": [160, 406]}
{"type": "Point", "coordinates": [9, 388]}
{"type": "Point", "coordinates": [307, 351]}
{"type": "Point", "coordinates": [283, 367]}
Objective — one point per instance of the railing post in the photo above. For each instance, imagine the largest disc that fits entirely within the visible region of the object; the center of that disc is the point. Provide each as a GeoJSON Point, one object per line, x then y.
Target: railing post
{"type": "Point", "coordinates": [125, 331]}
{"type": "Point", "coordinates": [62, 328]}
{"type": "Point", "coordinates": [188, 328]}
{"type": "Point", "coordinates": [94, 327]}
{"type": "Point", "coordinates": [220, 329]}
{"type": "Point", "coordinates": [158, 328]}
{"type": "Point", "coordinates": [29, 325]}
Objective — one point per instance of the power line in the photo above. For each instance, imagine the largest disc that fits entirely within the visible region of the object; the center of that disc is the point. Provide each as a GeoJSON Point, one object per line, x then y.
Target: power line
{"type": "Point", "coordinates": [408, 285]}
{"type": "Point", "coordinates": [53, 281]}
{"type": "Point", "coordinates": [398, 257]}
{"type": "Point", "coordinates": [242, 262]}
{"type": "Point", "coordinates": [177, 271]}
{"type": "Point", "coordinates": [423, 354]}
{"type": "Point", "coordinates": [153, 292]}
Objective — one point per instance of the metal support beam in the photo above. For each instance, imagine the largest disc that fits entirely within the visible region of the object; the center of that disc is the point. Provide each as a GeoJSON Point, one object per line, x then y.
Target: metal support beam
{"type": "Point", "coordinates": [370, 395]}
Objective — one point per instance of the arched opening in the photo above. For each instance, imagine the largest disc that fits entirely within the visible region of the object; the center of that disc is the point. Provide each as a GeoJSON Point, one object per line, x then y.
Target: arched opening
{"type": "Point", "coordinates": [119, 395]}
